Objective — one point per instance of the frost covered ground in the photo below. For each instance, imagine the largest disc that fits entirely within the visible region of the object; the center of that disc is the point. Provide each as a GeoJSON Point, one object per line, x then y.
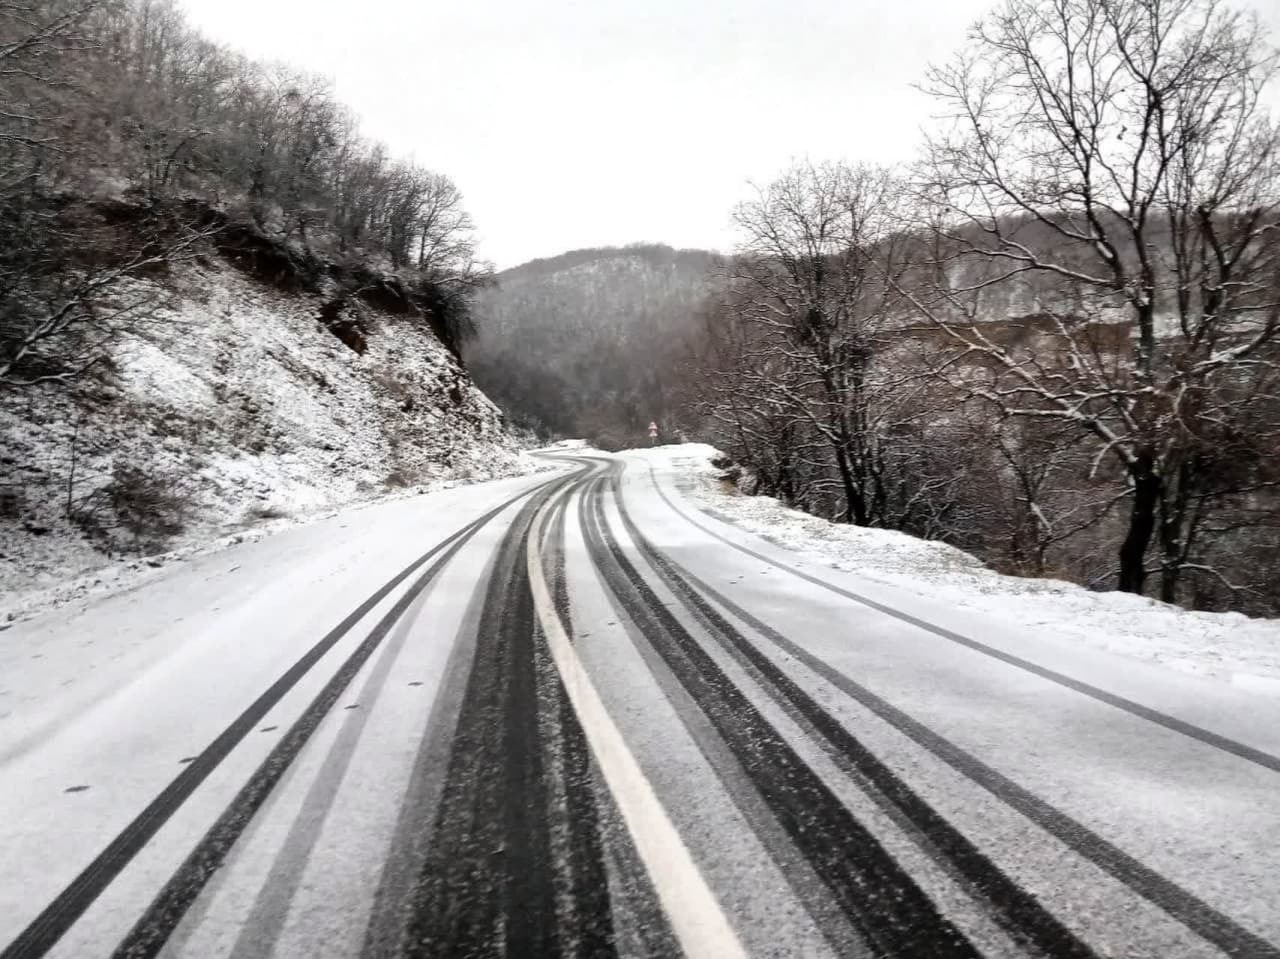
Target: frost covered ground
{"type": "Point", "coordinates": [1227, 647]}
{"type": "Point", "coordinates": [234, 412]}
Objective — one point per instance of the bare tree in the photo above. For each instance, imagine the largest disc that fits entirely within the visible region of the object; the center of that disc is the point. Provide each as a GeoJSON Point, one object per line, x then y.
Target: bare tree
{"type": "Point", "coordinates": [812, 275]}
{"type": "Point", "coordinates": [446, 232]}
{"type": "Point", "coordinates": [1112, 163]}
{"type": "Point", "coordinates": [35, 39]}
{"type": "Point", "coordinates": [59, 320]}
{"type": "Point", "coordinates": [60, 304]}
{"type": "Point", "coordinates": [732, 389]}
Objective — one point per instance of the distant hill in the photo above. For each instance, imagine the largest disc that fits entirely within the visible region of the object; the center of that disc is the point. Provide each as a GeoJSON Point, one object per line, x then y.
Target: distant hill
{"type": "Point", "coordinates": [588, 342]}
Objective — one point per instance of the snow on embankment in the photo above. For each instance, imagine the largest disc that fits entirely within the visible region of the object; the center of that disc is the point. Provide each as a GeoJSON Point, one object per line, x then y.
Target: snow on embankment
{"type": "Point", "coordinates": [237, 406]}
{"type": "Point", "coordinates": [1225, 646]}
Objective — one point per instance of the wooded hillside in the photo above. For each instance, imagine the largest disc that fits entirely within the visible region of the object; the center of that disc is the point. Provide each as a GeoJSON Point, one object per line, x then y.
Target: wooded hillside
{"type": "Point", "coordinates": [128, 140]}
{"type": "Point", "coordinates": [591, 343]}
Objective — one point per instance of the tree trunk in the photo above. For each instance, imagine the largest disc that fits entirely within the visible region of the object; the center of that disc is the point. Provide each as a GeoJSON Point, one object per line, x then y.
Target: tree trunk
{"type": "Point", "coordinates": [1170, 578]}
{"type": "Point", "coordinates": [71, 474]}
{"type": "Point", "coordinates": [855, 510]}
{"type": "Point", "coordinates": [1174, 531]}
{"type": "Point", "coordinates": [1142, 523]}
{"type": "Point", "coordinates": [855, 502]}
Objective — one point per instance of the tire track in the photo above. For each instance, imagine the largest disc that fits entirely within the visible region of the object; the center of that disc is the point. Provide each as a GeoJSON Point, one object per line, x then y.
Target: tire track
{"type": "Point", "coordinates": [67, 907]}
{"type": "Point", "coordinates": [1190, 730]}
{"type": "Point", "coordinates": [266, 919]}
{"type": "Point", "coordinates": [639, 926]}
{"type": "Point", "coordinates": [895, 916]}
{"type": "Point", "coordinates": [800, 882]}
{"type": "Point", "coordinates": [1016, 910]}
{"type": "Point", "coordinates": [152, 930]}
{"type": "Point", "coordinates": [693, 912]}
{"type": "Point", "coordinates": [393, 900]}
{"type": "Point", "coordinates": [516, 863]}
{"type": "Point", "coordinates": [1183, 906]}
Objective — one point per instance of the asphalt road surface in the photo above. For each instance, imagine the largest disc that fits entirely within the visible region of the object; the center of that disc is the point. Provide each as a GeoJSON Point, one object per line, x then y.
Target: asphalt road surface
{"type": "Point", "coordinates": [569, 714]}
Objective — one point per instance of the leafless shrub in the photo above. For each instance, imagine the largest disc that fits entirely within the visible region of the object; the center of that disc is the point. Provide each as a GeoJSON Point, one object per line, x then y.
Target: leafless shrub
{"type": "Point", "coordinates": [135, 510]}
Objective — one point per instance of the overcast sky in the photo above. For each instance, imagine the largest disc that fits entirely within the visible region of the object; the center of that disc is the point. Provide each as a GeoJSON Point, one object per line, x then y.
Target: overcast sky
{"type": "Point", "coordinates": [577, 123]}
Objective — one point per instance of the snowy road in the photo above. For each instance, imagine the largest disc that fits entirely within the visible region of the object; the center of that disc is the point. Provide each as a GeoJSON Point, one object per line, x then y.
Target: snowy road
{"type": "Point", "coordinates": [571, 714]}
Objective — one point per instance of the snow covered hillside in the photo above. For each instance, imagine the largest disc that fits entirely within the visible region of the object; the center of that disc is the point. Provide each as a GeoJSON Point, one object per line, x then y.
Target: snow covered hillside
{"type": "Point", "coordinates": [1227, 647]}
{"type": "Point", "coordinates": [238, 405]}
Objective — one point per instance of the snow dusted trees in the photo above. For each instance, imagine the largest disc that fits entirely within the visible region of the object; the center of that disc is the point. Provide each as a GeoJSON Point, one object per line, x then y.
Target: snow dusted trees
{"type": "Point", "coordinates": [1063, 349]}
{"type": "Point", "coordinates": [589, 343]}
{"type": "Point", "coordinates": [57, 310]}
{"type": "Point", "coordinates": [809, 291]}
{"type": "Point", "coordinates": [191, 116]}
{"type": "Point", "coordinates": [1115, 158]}
{"type": "Point", "coordinates": [125, 136]}
{"type": "Point", "coordinates": [33, 39]}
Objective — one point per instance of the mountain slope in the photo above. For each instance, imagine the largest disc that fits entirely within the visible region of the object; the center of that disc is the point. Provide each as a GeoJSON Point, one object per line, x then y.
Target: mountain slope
{"type": "Point", "coordinates": [587, 343]}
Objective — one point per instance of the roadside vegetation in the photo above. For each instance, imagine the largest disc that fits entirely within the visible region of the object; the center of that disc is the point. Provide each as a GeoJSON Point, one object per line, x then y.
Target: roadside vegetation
{"type": "Point", "coordinates": [1055, 339]}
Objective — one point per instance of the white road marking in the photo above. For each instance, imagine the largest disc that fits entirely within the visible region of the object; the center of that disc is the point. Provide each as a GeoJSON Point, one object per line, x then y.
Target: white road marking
{"type": "Point", "coordinates": [696, 917]}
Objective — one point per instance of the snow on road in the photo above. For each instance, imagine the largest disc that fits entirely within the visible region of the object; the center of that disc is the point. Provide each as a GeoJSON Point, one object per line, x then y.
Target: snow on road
{"type": "Point", "coordinates": [294, 583]}
{"type": "Point", "coordinates": [106, 698]}
{"type": "Point", "coordinates": [1227, 647]}
{"type": "Point", "coordinates": [776, 709]}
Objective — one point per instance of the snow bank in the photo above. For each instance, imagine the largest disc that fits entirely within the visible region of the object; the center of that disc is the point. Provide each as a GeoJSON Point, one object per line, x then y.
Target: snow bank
{"type": "Point", "coordinates": [1227, 647]}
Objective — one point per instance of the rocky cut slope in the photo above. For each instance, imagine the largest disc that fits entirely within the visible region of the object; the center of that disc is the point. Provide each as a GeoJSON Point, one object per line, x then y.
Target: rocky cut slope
{"type": "Point", "coordinates": [239, 401]}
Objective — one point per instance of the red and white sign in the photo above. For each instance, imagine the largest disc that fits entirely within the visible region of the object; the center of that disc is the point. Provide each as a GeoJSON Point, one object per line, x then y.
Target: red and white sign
{"type": "Point", "coordinates": [653, 429]}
